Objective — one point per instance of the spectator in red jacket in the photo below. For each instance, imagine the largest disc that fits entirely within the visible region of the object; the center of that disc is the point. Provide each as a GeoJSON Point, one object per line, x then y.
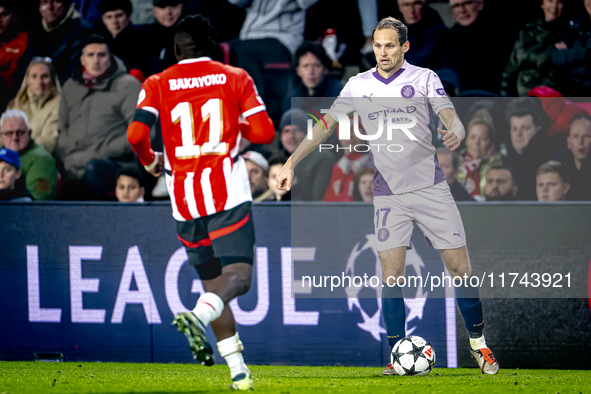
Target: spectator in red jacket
{"type": "Point", "coordinates": [13, 44]}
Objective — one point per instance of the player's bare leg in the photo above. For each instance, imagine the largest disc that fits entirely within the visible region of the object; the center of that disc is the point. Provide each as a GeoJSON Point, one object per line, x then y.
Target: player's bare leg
{"type": "Point", "coordinates": [229, 345]}
{"type": "Point", "coordinates": [393, 309]}
{"type": "Point", "coordinates": [458, 265]}
{"type": "Point", "coordinates": [233, 282]}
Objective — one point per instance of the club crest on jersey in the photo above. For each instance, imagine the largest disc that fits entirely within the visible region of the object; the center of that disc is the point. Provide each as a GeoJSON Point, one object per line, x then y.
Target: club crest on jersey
{"type": "Point", "coordinates": [383, 234]}
{"type": "Point", "coordinates": [197, 82]}
{"type": "Point", "coordinates": [407, 91]}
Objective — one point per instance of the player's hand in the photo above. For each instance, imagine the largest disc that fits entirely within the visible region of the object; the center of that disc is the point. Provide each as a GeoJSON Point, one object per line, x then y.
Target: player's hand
{"type": "Point", "coordinates": [285, 176]}
{"type": "Point", "coordinates": [159, 167]}
{"type": "Point", "coordinates": [449, 139]}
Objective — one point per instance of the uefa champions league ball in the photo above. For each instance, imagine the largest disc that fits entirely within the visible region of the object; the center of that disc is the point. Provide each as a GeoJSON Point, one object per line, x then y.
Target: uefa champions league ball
{"type": "Point", "coordinates": [413, 356]}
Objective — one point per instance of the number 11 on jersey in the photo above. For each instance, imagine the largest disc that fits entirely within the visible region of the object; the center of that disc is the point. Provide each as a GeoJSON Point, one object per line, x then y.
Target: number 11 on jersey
{"type": "Point", "coordinates": [211, 110]}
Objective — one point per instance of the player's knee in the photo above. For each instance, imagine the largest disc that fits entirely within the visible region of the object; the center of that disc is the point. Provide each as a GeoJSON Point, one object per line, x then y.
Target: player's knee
{"type": "Point", "coordinates": [242, 283]}
{"type": "Point", "coordinates": [461, 271]}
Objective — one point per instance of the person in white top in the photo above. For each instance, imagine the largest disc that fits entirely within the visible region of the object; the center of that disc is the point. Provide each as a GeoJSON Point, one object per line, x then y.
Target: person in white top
{"type": "Point", "coordinates": [392, 101]}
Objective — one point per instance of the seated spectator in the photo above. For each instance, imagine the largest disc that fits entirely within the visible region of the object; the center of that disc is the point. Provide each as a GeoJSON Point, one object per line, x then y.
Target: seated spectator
{"type": "Point", "coordinates": [156, 53]}
{"type": "Point", "coordinates": [130, 186]}
{"type": "Point", "coordinates": [312, 66]}
{"type": "Point", "coordinates": [342, 182]}
{"type": "Point", "coordinates": [124, 38]}
{"type": "Point", "coordinates": [269, 37]}
{"type": "Point", "coordinates": [530, 64]}
{"type": "Point", "coordinates": [575, 159]}
{"type": "Point", "coordinates": [529, 148]}
{"type": "Point", "coordinates": [97, 105]}
{"type": "Point", "coordinates": [426, 33]}
{"type": "Point", "coordinates": [449, 162]}
{"type": "Point", "coordinates": [551, 182]}
{"type": "Point", "coordinates": [469, 45]}
{"type": "Point", "coordinates": [257, 167]}
{"type": "Point", "coordinates": [39, 97]}
{"type": "Point", "coordinates": [363, 185]}
{"type": "Point", "coordinates": [10, 188]}
{"type": "Point", "coordinates": [480, 153]}
{"type": "Point", "coordinates": [500, 184]}
{"type": "Point", "coordinates": [13, 44]}
{"type": "Point", "coordinates": [36, 163]}
{"type": "Point", "coordinates": [273, 193]}
{"type": "Point", "coordinates": [59, 35]}
{"type": "Point", "coordinates": [313, 173]}
{"type": "Point", "coordinates": [573, 56]}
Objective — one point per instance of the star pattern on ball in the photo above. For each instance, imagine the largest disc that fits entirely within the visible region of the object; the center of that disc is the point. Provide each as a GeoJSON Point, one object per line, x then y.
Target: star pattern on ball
{"type": "Point", "coordinates": [416, 351]}
{"type": "Point", "coordinates": [396, 357]}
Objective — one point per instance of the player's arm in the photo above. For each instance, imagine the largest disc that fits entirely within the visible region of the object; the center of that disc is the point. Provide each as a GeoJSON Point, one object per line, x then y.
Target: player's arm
{"type": "Point", "coordinates": [138, 134]}
{"type": "Point", "coordinates": [319, 135]}
{"type": "Point", "coordinates": [452, 123]}
{"type": "Point", "coordinates": [258, 128]}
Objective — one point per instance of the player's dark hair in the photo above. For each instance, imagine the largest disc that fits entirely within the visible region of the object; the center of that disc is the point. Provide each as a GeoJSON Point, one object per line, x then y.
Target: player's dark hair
{"type": "Point", "coordinates": [316, 50]}
{"type": "Point", "coordinates": [114, 5]}
{"type": "Point", "coordinates": [132, 173]}
{"type": "Point", "coordinates": [581, 116]}
{"type": "Point", "coordinates": [505, 168]}
{"type": "Point", "coordinates": [392, 23]}
{"type": "Point", "coordinates": [553, 166]}
{"type": "Point", "coordinates": [200, 30]}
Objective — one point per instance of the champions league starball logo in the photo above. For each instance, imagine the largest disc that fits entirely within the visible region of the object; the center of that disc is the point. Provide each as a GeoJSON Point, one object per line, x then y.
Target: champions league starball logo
{"type": "Point", "coordinates": [372, 323]}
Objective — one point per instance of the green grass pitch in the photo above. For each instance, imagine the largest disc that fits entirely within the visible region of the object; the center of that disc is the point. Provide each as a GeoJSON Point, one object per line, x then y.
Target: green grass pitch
{"type": "Point", "coordinates": [73, 377]}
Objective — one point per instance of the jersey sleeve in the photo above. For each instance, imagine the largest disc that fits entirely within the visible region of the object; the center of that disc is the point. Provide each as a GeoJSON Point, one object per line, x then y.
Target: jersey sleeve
{"type": "Point", "coordinates": [436, 94]}
{"type": "Point", "coordinates": [250, 101]}
{"type": "Point", "coordinates": [148, 99]}
{"type": "Point", "coordinates": [344, 102]}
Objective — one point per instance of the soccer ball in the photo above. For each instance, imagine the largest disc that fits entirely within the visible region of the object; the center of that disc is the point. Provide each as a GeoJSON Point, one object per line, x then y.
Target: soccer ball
{"type": "Point", "coordinates": [413, 356]}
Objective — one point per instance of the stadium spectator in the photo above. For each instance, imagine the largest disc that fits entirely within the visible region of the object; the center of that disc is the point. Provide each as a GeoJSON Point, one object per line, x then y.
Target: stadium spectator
{"type": "Point", "coordinates": [529, 148]}
{"type": "Point", "coordinates": [449, 162]}
{"type": "Point", "coordinates": [426, 33]}
{"type": "Point", "coordinates": [257, 167]}
{"type": "Point", "coordinates": [314, 172]}
{"type": "Point", "coordinates": [470, 42]}
{"type": "Point", "coordinates": [36, 163]}
{"type": "Point", "coordinates": [269, 37]}
{"type": "Point", "coordinates": [559, 110]}
{"type": "Point", "coordinates": [39, 97]}
{"type": "Point", "coordinates": [530, 63]}
{"type": "Point", "coordinates": [576, 160]}
{"type": "Point", "coordinates": [273, 193]}
{"type": "Point", "coordinates": [97, 105]}
{"type": "Point", "coordinates": [124, 37]}
{"type": "Point", "coordinates": [551, 182]}
{"type": "Point", "coordinates": [10, 187]}
{"type": "Point", "coordinates": [342, 182]}
{"type": "Point", "coordinates": [157, 50]}
{"type": "Point", "coordinates": [480, 154]}
{"type": "Point", "coordinates": [573, 56]}
{"type": "Point", "coordinates": [363, 189]}
{"type": "Point", "coordinates": [312, 67]}
{"type": "Point", "coordinates": [130, 186]}
{"type": "Point", "coordinates": [500, 184]}
{"type": "Point", "coordinates": [59, 35]}
{"type": "Point", "coordinates": [13, 45]}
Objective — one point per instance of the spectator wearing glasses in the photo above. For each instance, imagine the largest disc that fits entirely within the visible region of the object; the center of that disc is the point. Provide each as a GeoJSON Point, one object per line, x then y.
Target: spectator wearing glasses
{"type": "Point", "coordinates": [13, 44]}
{"type": "Point", "coordinates": [36, 163]}
{"type": "Point", "coordinates": [478, 48]}
{"type": "Point", "coordinates": [39, 98]}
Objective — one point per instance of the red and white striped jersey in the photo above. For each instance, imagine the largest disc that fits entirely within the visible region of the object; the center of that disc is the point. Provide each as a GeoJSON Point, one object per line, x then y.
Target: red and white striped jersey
{"type": "Point", "coordinates": [199, 102]}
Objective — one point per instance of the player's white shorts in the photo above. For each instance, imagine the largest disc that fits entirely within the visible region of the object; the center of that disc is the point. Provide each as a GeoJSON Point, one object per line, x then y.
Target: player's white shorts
{"type": "Point", "coordinates": [432, 208]}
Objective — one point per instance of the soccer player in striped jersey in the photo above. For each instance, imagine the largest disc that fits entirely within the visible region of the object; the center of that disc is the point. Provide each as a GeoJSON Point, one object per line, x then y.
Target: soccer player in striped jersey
{"type": "Point", "coordinates": [409, 185]}
{"type": "Point", "coordinates": [198, 102]}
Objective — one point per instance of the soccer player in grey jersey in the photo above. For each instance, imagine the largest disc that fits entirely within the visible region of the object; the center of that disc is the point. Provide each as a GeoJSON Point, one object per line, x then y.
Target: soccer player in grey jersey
{"type": "Point", "coordinates": [409, 186]}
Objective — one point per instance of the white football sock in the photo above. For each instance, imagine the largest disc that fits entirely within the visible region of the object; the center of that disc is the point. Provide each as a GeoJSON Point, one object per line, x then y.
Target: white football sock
{"type": "Point", "coordinates": [477, 343]}
{"type": "Point", "coordinates": [209, 307]}
{"type": "Point", "coordinates": [231, 350]}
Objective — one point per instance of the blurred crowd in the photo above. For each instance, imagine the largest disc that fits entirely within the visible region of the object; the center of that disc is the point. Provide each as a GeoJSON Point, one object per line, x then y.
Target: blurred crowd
{"type": "Point", "coordinates": [519, 76]}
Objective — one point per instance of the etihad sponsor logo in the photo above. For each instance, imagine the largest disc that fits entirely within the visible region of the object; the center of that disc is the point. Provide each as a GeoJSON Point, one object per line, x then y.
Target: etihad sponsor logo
{"type": "Point", "coordinates": [197, 82]}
